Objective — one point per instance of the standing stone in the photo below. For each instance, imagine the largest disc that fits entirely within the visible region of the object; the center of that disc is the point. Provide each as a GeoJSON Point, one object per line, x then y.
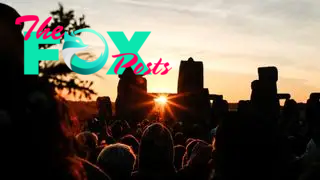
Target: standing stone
{"type": "Point", "coordinates": [313, 112]}
{"type": "Point", "coordinates": [218, 109]}
{"type": "Point", "coordinates": [193, 96]}
{"type": "Point", "coordinates": [190, 76]}
{"type": "Point", "coordinates": [205, 107]}
{"type": "Point", "coordinates": [132, 94]}
{"type": "Point", "coordinates": [104, 109]}
{"type": "Point", "coordinates": [124, 93]}
{"type": "Point", "coordinates": [264, 96]}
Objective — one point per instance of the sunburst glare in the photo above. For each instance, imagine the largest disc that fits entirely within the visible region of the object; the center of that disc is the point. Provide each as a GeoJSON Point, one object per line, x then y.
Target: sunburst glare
{"type": "Point", "coordinates": [161, 100]}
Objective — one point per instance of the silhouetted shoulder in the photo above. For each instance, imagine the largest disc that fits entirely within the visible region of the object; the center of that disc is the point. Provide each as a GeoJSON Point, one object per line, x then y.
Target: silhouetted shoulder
{"type": "Point", "coordinates": [93, 172]}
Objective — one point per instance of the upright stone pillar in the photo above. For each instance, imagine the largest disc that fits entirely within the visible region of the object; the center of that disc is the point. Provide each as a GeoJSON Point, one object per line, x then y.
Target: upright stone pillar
{"type": "Point", "coordinates": [132, 95]}
{"type": "Point", "coordinates": [104, 109]}
{"type": "Point", "coordinates": [264, 96]}
{"type": "Point", "coordinates": [190, 89]}
{"type": "Point", "coordinates": [124, 97]}
{"type": "Point", "coordinates": [190, 76]}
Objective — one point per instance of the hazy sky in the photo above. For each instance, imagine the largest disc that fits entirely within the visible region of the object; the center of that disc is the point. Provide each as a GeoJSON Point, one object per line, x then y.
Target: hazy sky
{"type": "Point", "coordinates": [231, 37]}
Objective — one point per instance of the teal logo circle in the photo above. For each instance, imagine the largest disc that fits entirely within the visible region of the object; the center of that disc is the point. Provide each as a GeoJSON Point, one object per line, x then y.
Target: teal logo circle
{"type": "Point", "coordinates": [74, 44]}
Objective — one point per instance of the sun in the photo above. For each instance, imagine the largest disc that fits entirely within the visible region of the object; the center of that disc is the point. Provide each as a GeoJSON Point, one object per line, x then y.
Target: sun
{"type": "Point", "coordinates": [161, 100]}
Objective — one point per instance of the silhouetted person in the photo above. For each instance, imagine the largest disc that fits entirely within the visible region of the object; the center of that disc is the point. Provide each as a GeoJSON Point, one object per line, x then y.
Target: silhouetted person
{"type": "Point", "coordinates": [11, 71]}
{"type": "Point", "coordinates": [156, 155]}
{"type": "Point", "coordinates": [189, 148]}
{"type": "Point", "coordinates": [88, 143]}
{"type": "Point", "coordinates": [14, 85]}
{"type": "Point", "coordinates": [199, 165]}
{"type": "Point", "coordinates": [94, 125]}
{"type": "Point", "coordinates": [244, 108]}
{"type": "Point", "coordinates": [177, 127]}
{"type": "Point", "coordinates": [28, 101]}
{"type": "Point", "coordinates": [179, 139]}
{"type": "Point", "coordinates": [54, 153]}
{"type": "Point", "coordinates": [132, 142]}
{"type": "Point", "coordinates": [116, 130]}
{"type": "Point", "coordinates": [117, 160]}
{"type": "Point", "coordinates": [179, 151]}
{"type": "Point", "coordinates": [189, 140]}
{"type": "Point", "coordinates": [243, 150]}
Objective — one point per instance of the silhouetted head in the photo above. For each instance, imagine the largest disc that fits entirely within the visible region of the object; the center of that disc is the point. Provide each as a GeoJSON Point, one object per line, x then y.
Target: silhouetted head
{"type": "Point", "coordinates": [243, 107]}
{"type": "Point", "coordinates": [117, 160]}
{"type": "Point", "coordinates": [10, 34]}
{"type": "Point", "coordinates": [178, 156]}
{"type": "Point", "coordinates": [116, 130]}
{"type": "Point", "coordinates": [87, 144]}
{"type": "Point", "coordinates": [290, 106]}
{"type": "Point", "coordinates": [200, 155]}
{"type": "Point", "coordinates": [138, 133]}
{"type": "Point", "coordinates": [189, 140]}
{"type": "Point", "coordinates": [189, 149]}
{"type": "Point", "coordinates": [8, 16]}
{"type": "Point", "coordinates": [156, 149]}
{"type": "Point", "coordinates": [88, 139]}
{"type": "Point", "coordinates": [179, 139]}
{"type": "Point", "coordinates": [132, 142]}
{"type": "Point", "coordinates": [177, 127]}
{"type": "Point", "coordinates": [199, 163]}
{"type": "Point", "coordinates": [225, 106]}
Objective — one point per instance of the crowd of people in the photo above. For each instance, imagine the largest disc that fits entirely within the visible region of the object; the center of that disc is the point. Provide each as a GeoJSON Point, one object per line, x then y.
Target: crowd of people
{"type": "Point", "coordinates": [241, 146]}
